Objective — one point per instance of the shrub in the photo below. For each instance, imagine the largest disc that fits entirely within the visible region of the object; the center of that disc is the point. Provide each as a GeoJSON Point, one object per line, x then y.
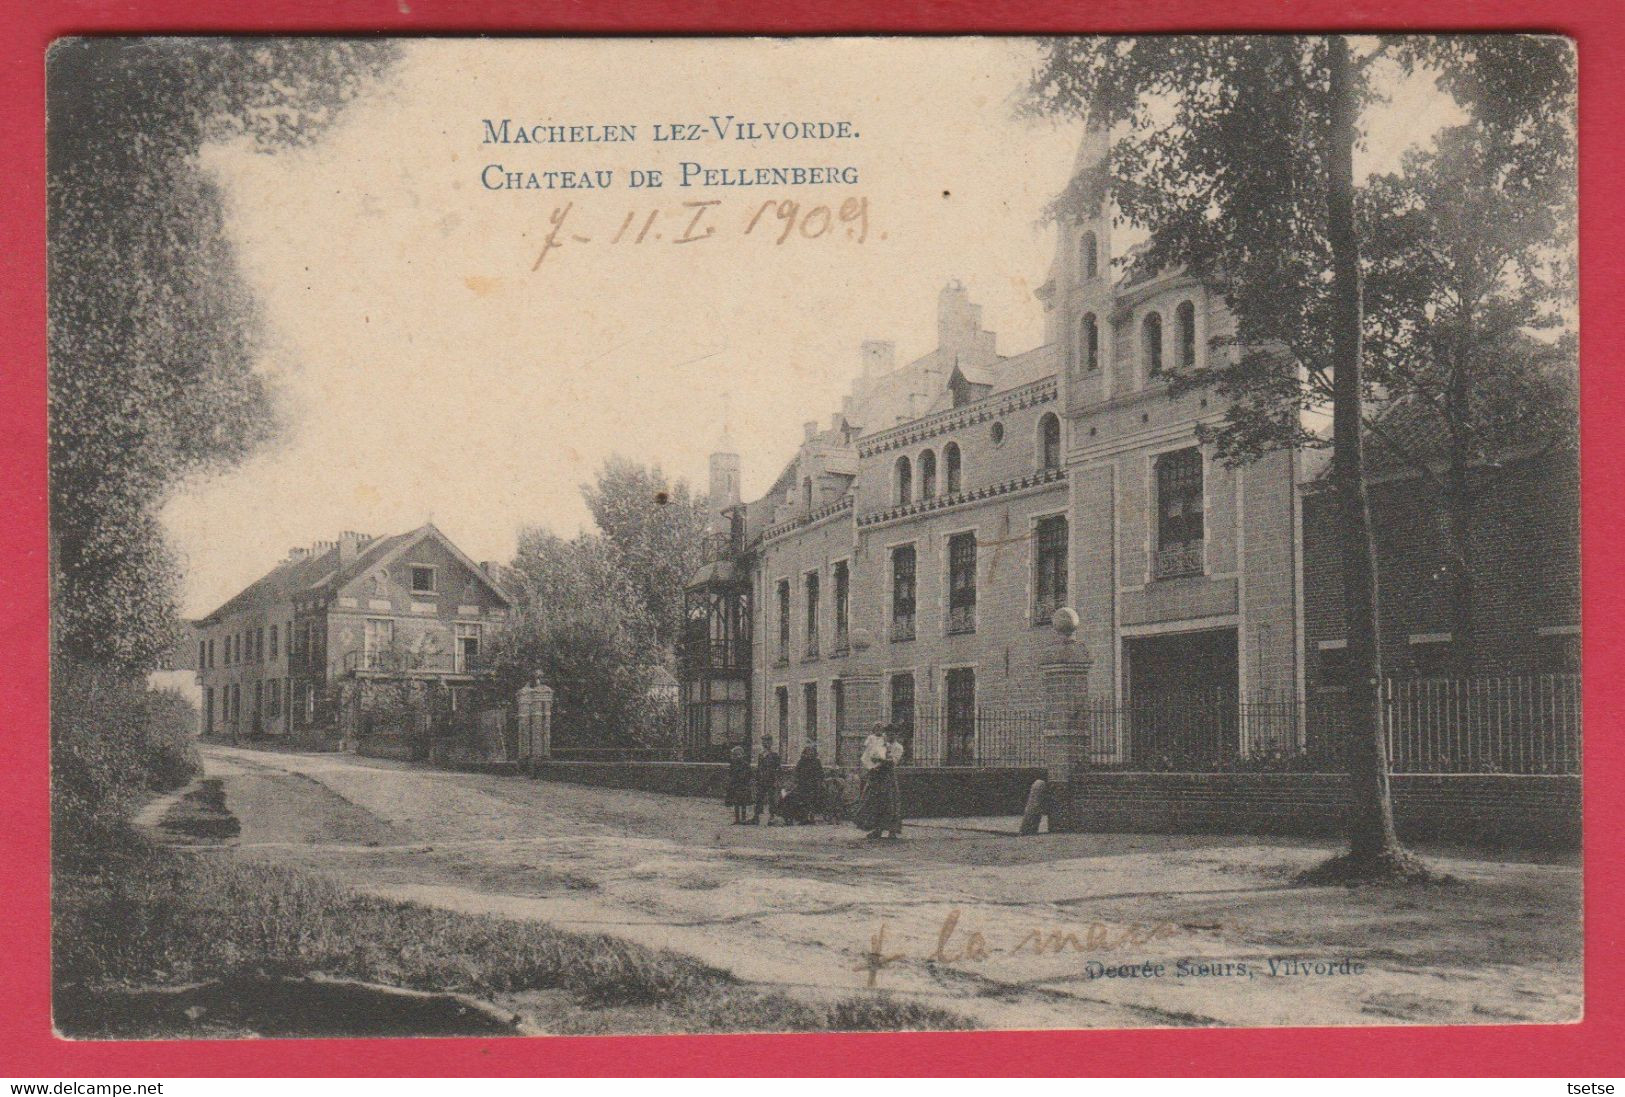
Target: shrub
{"type": "Point", "coordinates": [112, 740]}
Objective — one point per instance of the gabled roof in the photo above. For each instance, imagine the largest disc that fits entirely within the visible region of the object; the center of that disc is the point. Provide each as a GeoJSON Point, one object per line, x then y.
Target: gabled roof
{"type": "Point", "coordinates": [325, 572]}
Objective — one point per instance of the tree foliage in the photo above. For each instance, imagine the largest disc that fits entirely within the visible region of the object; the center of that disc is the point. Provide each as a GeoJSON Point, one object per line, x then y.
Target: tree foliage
{"type": "Point", "coordinates": [153, 334]}
{"type": "Point", "coordinates": [581, 626]}
{"type": "Point", "coordinates": [1236, 156]}
{"type": "Point", "coordinates": [656, 528]}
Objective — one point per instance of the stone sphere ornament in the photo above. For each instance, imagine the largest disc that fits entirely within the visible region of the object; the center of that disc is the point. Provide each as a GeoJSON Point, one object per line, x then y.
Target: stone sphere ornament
{"type": "Point", "coordinates": [1065, 621]}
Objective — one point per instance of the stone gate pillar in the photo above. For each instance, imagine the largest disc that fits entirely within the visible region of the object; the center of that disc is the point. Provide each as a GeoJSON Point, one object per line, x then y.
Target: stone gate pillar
{"type": "Point", "coordinates": [864, 704]}
{"type": "Point", "coordinates": [535, 711]}
{"type": "Point", "coordinates": [1065, 672]}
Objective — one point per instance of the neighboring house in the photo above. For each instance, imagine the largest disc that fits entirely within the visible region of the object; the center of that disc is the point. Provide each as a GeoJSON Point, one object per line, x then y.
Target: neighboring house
{"type": "Point", "coordinates": [307, 651]}
{"type": "Point", "coordinates": [906, 565]}
{"type": "Point", "coordinates": [1524, 560]}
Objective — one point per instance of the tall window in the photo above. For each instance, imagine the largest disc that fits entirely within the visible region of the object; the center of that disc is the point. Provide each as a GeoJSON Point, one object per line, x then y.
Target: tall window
{"type": "Point", "coordinates": [1185, 321]}
{"type": "Point", "coordinates": [784, 620]}
{"type": "Point", "coordinates": [807, 494]}
{"type": "Point", "coordinates": [784, 720]}
{"type": "Point", "coordinates": [259, 645]}
{"type": "Point", "coordinates": [1089, 255]}
{"type": "Point", "coordinates": [902, 593]}
{"type": "Point", "coordinates": [809, 713]}
{"type": "Point", "coordinates": [377, 638]}
{"type": "Point", "coordinates": [950, 465]}
{"type": "Point", "coordinates": [905, 480]}
{"type": "Point", "coordinates": [1049, 568]}
{"type": "Point", "coordinates": [843, 587]}
{"type": "Point", "coordinates": [466, 647]}
{"type": "Point", "coordinates": [1151, 343]}
{"type": "Point", "coordinates": [1089, 342]}
{"type": "Point", "coordinates": [273, 642]}
{"type": "Point", "coordinates": [202, 655]}
{"type": "Point", "coordinates": [837, 709]}
{"type": "Point", "coordinates": [962, 582]}
{"type": "Point", "coordinates": [1179, 514]}
{"type": "Point", "coordinates": [959, 726]}
{"type": "Point", "coordinates": [928, 475]}
{"type": "Point", "coordinates": [1049, 442]}
{"type": "Point", "coordinates": [811, 649]}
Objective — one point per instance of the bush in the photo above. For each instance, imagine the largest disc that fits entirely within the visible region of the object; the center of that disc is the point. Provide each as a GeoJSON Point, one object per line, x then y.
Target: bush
{"type": "Point", "coordinates": [112, 741]}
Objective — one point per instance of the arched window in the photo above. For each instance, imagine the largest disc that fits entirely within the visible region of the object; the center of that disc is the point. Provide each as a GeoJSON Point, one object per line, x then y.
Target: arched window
{"type": "Point", "coordinates": [1049, 442]}
{"type": "Point", "coordinates": [1151, 343]}
{"type": "Point", "coordinates": [950, 462]}
{"type": "Point", "coordinates": [1089, 255]}
{"type": "Point", "coordinates": [928, 475]}
{"type": "Point", "coordinates": [1089, 342]}
{"type": "Point", "coordinates": [905, 481]}
{"type": "Point", "coordinates": [1185, 321]}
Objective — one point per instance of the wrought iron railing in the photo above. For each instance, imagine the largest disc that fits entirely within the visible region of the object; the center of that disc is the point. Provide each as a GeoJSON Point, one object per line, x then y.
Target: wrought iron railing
{"type": "Point", "coordinates": [1177, 560]}
{"type": "Point", "coordinates": [902, 627]}
{"type": "Point", "coordinates": [961, 619]}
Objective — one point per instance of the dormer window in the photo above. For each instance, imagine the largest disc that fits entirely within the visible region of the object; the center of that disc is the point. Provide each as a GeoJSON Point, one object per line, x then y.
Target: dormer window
{"type": "Point", "coordinates": [1151, 343]}
{"type": "Point", "coordinates": [422, 579]}
{"type": "Point", "coordinates": [1089, 255]}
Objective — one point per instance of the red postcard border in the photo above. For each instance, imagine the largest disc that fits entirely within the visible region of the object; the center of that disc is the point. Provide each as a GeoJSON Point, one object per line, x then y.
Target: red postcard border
{"type": "Point", "coordinates": [28, 1048]}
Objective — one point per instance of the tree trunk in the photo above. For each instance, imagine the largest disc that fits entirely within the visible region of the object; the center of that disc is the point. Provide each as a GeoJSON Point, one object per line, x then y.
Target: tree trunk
{"type": "Point", "coordinates": [1371, 817]}
{"type": "Point", "coordinates": [1459, 508]}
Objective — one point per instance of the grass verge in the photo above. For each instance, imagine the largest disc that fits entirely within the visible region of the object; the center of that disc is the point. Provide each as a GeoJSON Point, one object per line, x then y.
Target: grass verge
{"type": "Point", "coordinates": [144, 917]}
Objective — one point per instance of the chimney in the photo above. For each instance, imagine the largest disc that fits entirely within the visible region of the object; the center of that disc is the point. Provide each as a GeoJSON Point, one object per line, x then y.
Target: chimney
{"type": "Point", "coordinates": [809, 430]}
{"type": "Point", "coordinates": [350, 543]}
{"type": "Point", "coordinates": [319, 548]}
{"type": "Point", "coordinates": [879, 356]}
{"type": "Point", "coordinates": [297, 554]}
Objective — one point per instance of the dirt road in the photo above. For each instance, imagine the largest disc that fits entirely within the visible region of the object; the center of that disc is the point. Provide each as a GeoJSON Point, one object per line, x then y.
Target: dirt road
{"type": "Point", "coordinates": [1048, 931]}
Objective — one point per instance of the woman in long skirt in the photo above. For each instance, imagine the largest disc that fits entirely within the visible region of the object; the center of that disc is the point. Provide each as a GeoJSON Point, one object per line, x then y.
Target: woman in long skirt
{"type": "Point", "coordinates": [880, 808]}
{"type": "Point", "coordinates": [738, 795]}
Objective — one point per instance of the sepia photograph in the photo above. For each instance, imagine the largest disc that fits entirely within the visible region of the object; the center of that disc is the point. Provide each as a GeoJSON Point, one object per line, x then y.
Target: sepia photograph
{"type": "Point", "coordinates": [607, 536]}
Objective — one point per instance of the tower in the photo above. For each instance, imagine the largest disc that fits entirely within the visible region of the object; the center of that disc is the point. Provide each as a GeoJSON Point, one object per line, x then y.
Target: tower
{"type": "Point", "coordinates": [723, 494]}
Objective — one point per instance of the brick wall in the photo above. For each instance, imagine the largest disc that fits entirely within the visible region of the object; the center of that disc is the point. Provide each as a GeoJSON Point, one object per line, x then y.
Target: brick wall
{"type": "Point", "coordinates": [1526, 563]}
{"type": "Point", "coordinates": [1474, 809]}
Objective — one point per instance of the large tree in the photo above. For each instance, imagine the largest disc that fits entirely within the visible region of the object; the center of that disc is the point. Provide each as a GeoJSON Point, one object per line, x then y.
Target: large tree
{"type": "Point", "coordinates": [657, 528]}
{"type": "Point", "coordinates": [1467, 273]}
{"type": "Point", "coordinates": [153, 339]}
{"type": "Point", "coordinates": [1236, 155]}
{"type": "Point", "coordinates": [582, 628]}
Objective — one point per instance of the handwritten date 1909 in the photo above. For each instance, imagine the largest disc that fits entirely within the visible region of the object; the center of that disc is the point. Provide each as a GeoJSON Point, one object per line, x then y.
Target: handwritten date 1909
{"type": "Point", "coordinates": [777, 220]}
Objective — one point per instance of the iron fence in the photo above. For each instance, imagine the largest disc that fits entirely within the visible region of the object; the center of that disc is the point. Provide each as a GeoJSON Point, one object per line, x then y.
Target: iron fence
{"type": "Point", "coordinates": [979, 736]}
{"type": "Point", "coordinates": [1519, 724]}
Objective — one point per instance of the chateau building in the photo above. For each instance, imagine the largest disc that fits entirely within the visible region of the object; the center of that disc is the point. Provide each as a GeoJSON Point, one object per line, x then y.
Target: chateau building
{"type": "Point", "coordinates": [906, 565]}
{"type": "Point", "coordinates": [302, 651]}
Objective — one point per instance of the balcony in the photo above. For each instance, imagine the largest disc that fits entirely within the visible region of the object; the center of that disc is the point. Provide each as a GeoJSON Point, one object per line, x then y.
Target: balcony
{"type": "Point", "coordinates": [1176, 561]}
{"type": "Point", "coordinates": [961, 619]}
{"type": "Point", "coordinates": [902, 628]}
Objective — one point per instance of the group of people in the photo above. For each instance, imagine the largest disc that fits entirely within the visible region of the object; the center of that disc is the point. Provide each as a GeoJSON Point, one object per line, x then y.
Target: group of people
{"type": "Point", "coordinates": [879, 810]}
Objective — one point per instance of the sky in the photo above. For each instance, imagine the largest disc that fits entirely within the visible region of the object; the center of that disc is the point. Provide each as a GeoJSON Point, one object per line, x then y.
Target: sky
{"type": "Point", "coordinates": [429, 368]}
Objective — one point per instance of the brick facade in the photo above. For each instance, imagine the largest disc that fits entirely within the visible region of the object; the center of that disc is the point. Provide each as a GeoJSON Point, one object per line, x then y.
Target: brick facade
{"type": "Point", "coordinates": [1077, 431]}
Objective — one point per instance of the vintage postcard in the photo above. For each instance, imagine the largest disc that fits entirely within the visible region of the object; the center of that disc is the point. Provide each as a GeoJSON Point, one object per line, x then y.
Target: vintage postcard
{"type": "Point", "coordinates": [813, 534]}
